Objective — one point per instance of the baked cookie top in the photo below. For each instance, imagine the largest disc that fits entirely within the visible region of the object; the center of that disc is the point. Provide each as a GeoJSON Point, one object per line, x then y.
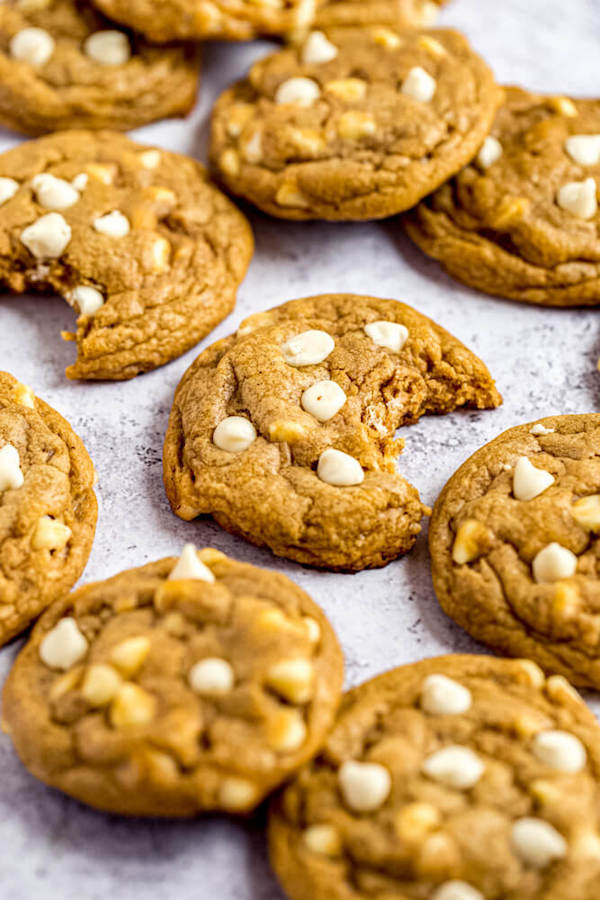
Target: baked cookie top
{"type": "Point", "coordinates": [522, 219]}
{"type": "Point", "coordinates": [62, 65]}
{"type": "Point", "coordinates": [144, 248]}
{"type": "Point", "coordinates": [240, 20]}
{"type": "Point", "coordinates": [177, 687]}
{"type": "Point", "coordinates": [456, 778]}
{"type": "Point", "coordinates": [285, 432]}
{"type": "Point", "coordinates": [48, 508]}
{"type": "Point", "coordinates": [514, 547]}
{"type": "Point", "coordinates": [355, 123]}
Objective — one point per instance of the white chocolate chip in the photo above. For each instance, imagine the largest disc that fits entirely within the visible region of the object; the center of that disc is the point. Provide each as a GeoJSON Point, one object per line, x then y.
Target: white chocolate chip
{"type": "Point", "coordinates": [457, 890]}
{"type": "Point", "coordinates": [339, 469]}
{"type": "Point", "coordinates": [442, 696]}
{"type": "Point", "coordinates": [32, 45]}
{"type": "Point", "coordinates": [313, 629]}
{"type": "Point", "coordinates": [560, 750]}
{"type": "Point", "coordinates": [8, 189]}
{"type": "Point", "coordinates": [113, 224]}
{"type": "Point", "coordinates": [286, 732]}
{"type": "Point", "coordinates": [238, 794]}
{"type": "Point", "coordinates": [111, 48]}
{"type": "Point", "coordinates": [387, 334]}
{"type": "Point", "coordinates": [64, 645]}
{"type": "Point", "coordinates": [88, 299]}
{"type": "Point", "coordinates": [234, 434]}
{"type": "Point", "coordinates": [80, 181]}
{"type": "Point", "coordinates": [578, 198]}
{"type": "Point", "coordinates": [538, 428]}
{"type": "Point", "coordinates": [292, 679]}
{"type": "Point", "coordinates": [189, 566]}
{"type": "Point", "coordinates": [529, 481]}
{"type": "Point", "coordinates": [419, 85]}
{"type": "Point", "coordinates": [50, 534]}
{"type": "Point", "coordinates": [318, 49]}
{"type": "Point", "coordinates": [537, 842]}
{"type": "Point", "coordinates": [491, 151]}
{"type": "Point", "coordinates": [454, 766]}
{"type": "Point", "coordinates": [553, 562]}
{"type": "Point", "coordinates": [322, 839]}
{"type": "Point", "coordinates": [47, 238]}
{"type": "Point", "coordinates": [584, 149]}
{"type": "Point", "coordinates": [308, 348]}
{"type": "Point", "coordinates": [54, 193]}
{"type": "Point", "coordinates": [11, 476]}
{"type": "Point", "coordinates": [365, 786]}
{"type": "Point", "coordinates": [299, 91]}
{"type": "Point", "coordinates": [211, 676]}
{"type": "Point", "coordinates": [323, 400]}
{"type": "Point", "coordinates": [150, 159]}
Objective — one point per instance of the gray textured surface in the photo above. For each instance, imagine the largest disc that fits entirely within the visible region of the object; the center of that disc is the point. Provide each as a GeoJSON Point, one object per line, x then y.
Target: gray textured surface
{"type": "Point", "coordinates": [544, 362]}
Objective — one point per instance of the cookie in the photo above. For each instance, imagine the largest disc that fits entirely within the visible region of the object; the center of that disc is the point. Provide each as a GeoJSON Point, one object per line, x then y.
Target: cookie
{"type": "Point", "coordinates": [521, 220]}
{"type": "Point", "coordinates": [147, 252]}
{"type": "Point", "coordinates": [514, 546]}
{"type": "Point", "coordinates": [456, 778]}
{"type": "Point", "coordinates": [284, 432]}
{"type": "Point", "coordinates": [177, 687]}
{"type": "Point", "coordinates": [62, 65]}
{"type": "Point", "coordinates": [241, 20]}
{"type": "Point", "coordinates": [357, 123]}
{"type": "Point", "coordinates": [48, 508]}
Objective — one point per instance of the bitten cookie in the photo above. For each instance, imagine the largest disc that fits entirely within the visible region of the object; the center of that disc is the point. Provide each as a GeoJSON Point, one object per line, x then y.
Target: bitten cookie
{"type": "Point", "coordinates": [137, 241]}
{"type": "Point", "coordinates": [521, 221]}
{"type": "Point", "coordinates": [285, 431]}
{"type": "Point", "coordinates": [456, 778]}
{"type": "Point", "coordinates": [514, 546]}
{"type": "Point", "coordinates": [240, 20]}
{"type": "Point", "coordinates": [357, 123]}
{"type": "Point", "coordinates": [62, 65]}
{"type": "Point", "coordinates": [48, 508]}
{"type": "Point", "coordinates": [177, 687]}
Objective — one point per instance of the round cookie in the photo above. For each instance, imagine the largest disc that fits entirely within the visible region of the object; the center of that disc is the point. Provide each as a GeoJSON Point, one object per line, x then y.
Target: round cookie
{"type": "Point", "coordinates": [285, 432]}
{"type": "Point", "coordinates": [48, 508]}
{"type": "Point", "coordinates": [456, 778]}
{"type": "Point", "coordinates": [145, 249]}
{"type": "Point", "coordinates": [174, 688]}
{"type": "Point", "coordinates": [358, 123]}
{"type": "Point", "coordinates": [62, 65]}
{"type": "Point", "coordinates": [514, 545]}
{"type": "Point", "coordinates": [521, 220]}
{"type": "Point", "coordinates": [241, 20]}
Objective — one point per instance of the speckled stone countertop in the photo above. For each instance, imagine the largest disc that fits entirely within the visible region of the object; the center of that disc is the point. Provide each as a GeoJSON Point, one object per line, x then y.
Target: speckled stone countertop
{"type": "Point", "coordinates": [544, 362]}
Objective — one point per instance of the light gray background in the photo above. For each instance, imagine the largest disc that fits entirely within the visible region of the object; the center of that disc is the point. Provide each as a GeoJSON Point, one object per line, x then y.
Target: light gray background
{"type": "Point", "coordinates": [544, 362]}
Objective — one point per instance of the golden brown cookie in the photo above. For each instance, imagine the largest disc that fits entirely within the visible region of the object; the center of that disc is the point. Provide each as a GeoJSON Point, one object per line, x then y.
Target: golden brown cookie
{"type": "Point", "coordinates": [456, 778]}
{"type": "Point", "coordinates": [514, 547]}
{"type": "Point", "coordinates": [284, 432]}
{"type": "Point", "coordinates": [139, 243]}
{"type": "Point", "coordinates": [357, 123]}
{"type": "Point", "coordinates": [62, 65]}
{"type": "Point", "coordinates": [177, 687]}
{"type": "Point", "coordinates": [48, 508]}
{"type": "Point", "coordinates": [240, 20]}
{"type": "Point", "coordinates": [521, 221]}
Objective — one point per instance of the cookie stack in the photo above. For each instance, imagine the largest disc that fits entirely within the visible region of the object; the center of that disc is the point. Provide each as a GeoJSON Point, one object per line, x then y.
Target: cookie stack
{"type": "Point", "coordinates": [199, 683]}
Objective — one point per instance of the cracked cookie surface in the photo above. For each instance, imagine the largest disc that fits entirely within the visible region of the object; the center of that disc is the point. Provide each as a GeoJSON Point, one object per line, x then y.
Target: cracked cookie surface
{"type": "Point", "coordinates": [521, 221]}
{"type": "Point", "coordinates": [48, 508]}
{"type": "Point", "coordinates": [177, 687]}
{"type": "Point", "coordinates": [284, 432]}
{"type": "Point", "coordinates": [354, 123]}
{"type": "Point", "coordinates": [241, 20]}
{"type": "Point", "coordinates": [456, 778]}
{"type": "Point", "coordinates": [514, 545]}
{"type": "Point", "coordinates": [145, 249]}
{"type": "Point", "coordinates": [62, 66]}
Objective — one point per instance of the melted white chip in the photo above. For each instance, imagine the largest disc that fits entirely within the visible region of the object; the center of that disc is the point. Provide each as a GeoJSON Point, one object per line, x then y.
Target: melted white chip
{"type": "Point", "coordinates": [32, 45]}
{"type": "Point", "coordinates": [11, 475]}
{"type": "Point", "coordinates": [189, 566]}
